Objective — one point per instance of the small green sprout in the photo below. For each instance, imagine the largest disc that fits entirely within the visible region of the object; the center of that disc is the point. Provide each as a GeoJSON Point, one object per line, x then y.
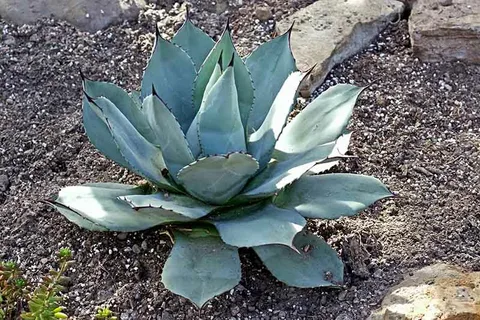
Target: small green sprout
{"type": "Point", "coordinates": [65, 253]}
{"type": "Point", "coordinates": [105, 313]}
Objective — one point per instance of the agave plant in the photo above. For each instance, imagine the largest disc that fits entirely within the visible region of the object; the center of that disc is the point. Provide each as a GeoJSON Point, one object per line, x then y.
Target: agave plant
{"type": "Point", "coordinates": [225, 170]}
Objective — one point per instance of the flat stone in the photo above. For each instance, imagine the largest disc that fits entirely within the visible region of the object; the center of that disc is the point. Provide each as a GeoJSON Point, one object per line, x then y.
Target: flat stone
{"type": "Point", "coordinates": [89, 15]}
{"type": "Point", "coordinates": [439, 291]}
{"type": "Point", "coordinates": [329, 31]}
{"type": "Point", "coordinates": [443, 30]}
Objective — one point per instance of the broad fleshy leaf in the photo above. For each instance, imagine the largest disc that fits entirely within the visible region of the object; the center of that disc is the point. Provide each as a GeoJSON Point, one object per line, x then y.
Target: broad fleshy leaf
{"type": "Point", "coordinates": [216, 179]}
{"type": "Point", "coordinates": [193, 139]}
{"type": "Point", "coordinates": [193, 136]}
{"type": "Point", "coordinates": [221, 53]}
{"type": "Point", "coordinates": [322, 121]}
{"type": "Point", "coordinates": [171, 71]}
{"type": "Point", "coordinates": [224, 49]}
{"type": "Point", "coordinates": [341, 147]}
{"type": "Point", "coordinates": [127, 105]}
{"type": "Point", "coordinates": [331, 196]}
{"type": "Point", "coordinates": [136, 96]}
{"type": "Point", "coordinates": [181, 204]}
{"type": "Point", "coordinates": [220, 127]}
{"type": "Point", "coordinates": [262, 142]}
{"type": "Point", "coordinates": [75, 217]}
{"type": "Point", "coordinates": [97, 207]}
{"type": "Point", "coordinates": [273, 58]}
{"type": "Point", "coordinates": [256, 225]}
{"type": "Point", "coordinates": [94, 121]}
{"type": "Point", "coordinates": [99, 134]}
{"type": "Point", "coordinates": [315, 264]}
{"type": "Point", "coordinates": [196, 43]}
{"type": "Point", "coordinates": [143, 157]}
{"type": "Point", "coordinates": [284, 170]}
{"type": "Point", "coordinates": [169, 134]}
{"type": "Point", "coordinates": [217, 72]}
{"type": "Point", "coordinates": [201, 267]}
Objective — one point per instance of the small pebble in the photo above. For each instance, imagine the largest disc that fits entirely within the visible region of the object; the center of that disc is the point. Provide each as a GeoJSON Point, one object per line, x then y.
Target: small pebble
{"type": "Point", "coordinates": [263, 13]}
{"type": "Point", "coordinates": [122, 236]}
{"type": "Point", "coordinates": [136, 249]}
{"type": "Point", "coordinates": [235, 310]}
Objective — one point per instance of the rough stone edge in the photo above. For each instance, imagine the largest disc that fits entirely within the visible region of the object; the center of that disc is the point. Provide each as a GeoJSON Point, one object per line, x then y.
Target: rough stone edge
{"type": "Point", "coordinates": [308, 86]}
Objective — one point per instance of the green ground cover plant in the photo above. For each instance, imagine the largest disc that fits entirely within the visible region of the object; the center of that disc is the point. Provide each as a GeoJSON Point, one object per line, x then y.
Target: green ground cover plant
{"type": "Point", "coordinates": [23, 299]}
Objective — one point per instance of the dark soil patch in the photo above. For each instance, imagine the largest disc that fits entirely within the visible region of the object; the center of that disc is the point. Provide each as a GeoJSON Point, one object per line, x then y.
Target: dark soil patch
{"type": "Point", "coordinates": [416, 128]}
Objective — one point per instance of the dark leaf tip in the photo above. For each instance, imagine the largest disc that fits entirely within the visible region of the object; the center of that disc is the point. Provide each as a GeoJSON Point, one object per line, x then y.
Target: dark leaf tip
{"type": "Point", "coordinates": [154, 92]}
{"type": "Point", "coordinates": [289, 31]}
{"type": "Point", "coordinates": [165, 173]}
{"type": "Point", "coordinates": [220, 58]}
{"type": "Point", "coordinates": [82, 75]}
{"type": "Point", "coordinates": [230, 64]}
{"type": "Point", "coordinates": [309, 71]}
{"type": "Point", "coordinates": [158, 37]}
{"type": "Point", "coordinates": [90, 99]}
{"type": "Point", "coordinates": [227, 26]}
{"type": "Point", "coordinates": [187, 12]}
{"type": "Point", "coordinates": [289, 34]}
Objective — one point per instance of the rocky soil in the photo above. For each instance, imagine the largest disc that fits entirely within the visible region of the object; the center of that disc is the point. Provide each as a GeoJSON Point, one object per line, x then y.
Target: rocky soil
{"type": "Point", "coordinates": [416, 128]}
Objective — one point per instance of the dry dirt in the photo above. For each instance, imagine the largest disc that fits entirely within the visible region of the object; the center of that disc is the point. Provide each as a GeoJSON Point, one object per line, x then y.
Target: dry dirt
{"type": "Point", "coordinates": [416, 128]}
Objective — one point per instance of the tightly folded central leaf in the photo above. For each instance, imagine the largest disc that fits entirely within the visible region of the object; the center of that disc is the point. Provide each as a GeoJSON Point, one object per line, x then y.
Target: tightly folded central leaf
{"type": "Point", "coordinates": [217, 127]}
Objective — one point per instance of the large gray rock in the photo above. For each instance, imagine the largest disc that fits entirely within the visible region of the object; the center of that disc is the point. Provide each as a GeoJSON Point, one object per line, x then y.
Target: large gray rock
{"type": "Point", "coordinates": [442, 30]}
{"type": "Point", "coordinates": [439, 291]}
{"type": "Point", "coordinates": [89, 15]}
{"type": "Point", "coordinates": [329, 31]}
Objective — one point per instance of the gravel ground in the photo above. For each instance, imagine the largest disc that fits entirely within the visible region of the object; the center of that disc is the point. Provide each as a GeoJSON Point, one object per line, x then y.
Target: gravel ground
{"type": "Point", "coordinates": [416, 128]}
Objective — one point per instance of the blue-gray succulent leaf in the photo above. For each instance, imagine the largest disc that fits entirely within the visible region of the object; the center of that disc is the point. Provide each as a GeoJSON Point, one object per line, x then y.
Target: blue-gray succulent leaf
{"type": "Point", "coordinates": [269, 65]}
{"type": "Point", "coordinates": [223, 51]}
{"type": "Point", "coordinates": [126, 103]}
{"type": "Point", "coordinates": [97, 207]}
{"type": "Point", "coordinates": [75, 217]}
{"type": "Point", "coordinates": [217, 179]}
{"type": "Point", "coordinates": [338, 152]}
{"type": "Point", "coordinates": [201, 266]}
{"type": "Point", "coordinates": [182, 204]}
{"type": "Point", "coordinates": [322, 121]}
{"type": "Point", "coordinates": [313, 264]}
{"type": "Point", "coordinates": [136, 96]}
{"type": "Point", "coordinates": [143, 157]}
{"type": "Point", "coordinates": [283, 170]}
{"type": "Point", "coordinates": [171, 71]}
{"type": "Point", "coordinates": [331, 196]}
{"type": "Point", "coordinates": [196, 43]}
{"type": "Point", "coordinates": [261, 143]}
{"type": "Point", "coordinates": [220, 128]}
{"type": "Point", "coordinates": [168, 134]}
{"type": "Point", "coordinates": [99, 135]}
{"type": "Point", "coordinates": [259, 224]}
{"type": "Point", "coordinates": [193, 136]}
